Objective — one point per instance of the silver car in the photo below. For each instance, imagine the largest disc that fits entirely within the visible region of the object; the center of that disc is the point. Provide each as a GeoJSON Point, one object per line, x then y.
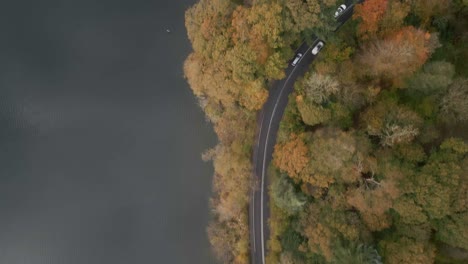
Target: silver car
{"type": "Point", "coordinates": [296, 59]}
{"type": "Point", "coordinates": [317, 48]}
{"type": "Point", "coordinates": [340, 10]}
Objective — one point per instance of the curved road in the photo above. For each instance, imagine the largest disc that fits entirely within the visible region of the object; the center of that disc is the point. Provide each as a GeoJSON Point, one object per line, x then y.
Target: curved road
{"type": "Point", "coordinates": [268, 124]}
{"type": "Point", "coordinates": [270, 117]}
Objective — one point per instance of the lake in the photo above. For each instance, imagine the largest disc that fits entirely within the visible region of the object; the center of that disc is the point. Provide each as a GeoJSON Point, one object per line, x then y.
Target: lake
{"type": "Point", "coordinates": [100, 135]}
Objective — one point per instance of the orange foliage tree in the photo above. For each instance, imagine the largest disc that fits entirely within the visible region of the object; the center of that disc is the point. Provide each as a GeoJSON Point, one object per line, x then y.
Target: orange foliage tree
{"type": "Point", "coordinates": [370, 13]}
{"type": "Point", "coordinates": [292, 156]}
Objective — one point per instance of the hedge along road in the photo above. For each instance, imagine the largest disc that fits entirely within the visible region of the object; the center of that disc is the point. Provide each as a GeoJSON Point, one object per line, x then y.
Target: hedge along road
{"type": "Point", "coordinates": [268, 124]}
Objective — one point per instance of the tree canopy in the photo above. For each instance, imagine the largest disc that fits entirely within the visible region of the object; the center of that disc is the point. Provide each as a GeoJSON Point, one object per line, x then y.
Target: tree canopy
{"type": "Point", "coordinates": [366, 168]}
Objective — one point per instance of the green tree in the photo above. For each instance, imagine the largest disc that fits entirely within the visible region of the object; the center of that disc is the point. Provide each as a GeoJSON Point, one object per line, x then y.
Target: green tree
{"type": "Point", "coordinates": [285, 196]}
{"type": "Point", "coordinates": [407, 251]}
{"type": "Point", "coordinates": [426, 9]}
{"type": "Point", "coordinates": [434, 77]}
{"type": "Point", "coordinates": [411, 153]}
{"type": "Point", "coordinates": [356, 253]}
{"type": "Point", "coordinates": [409, 211]}
{"type": "Point", "coordinates": [434, 185]}
{"type": "Point", "coordinates": [452, 230]}
{"type": "Point", "coordinates": [274, 66]}
{"type": "Point", "coordinates": [304, 14]}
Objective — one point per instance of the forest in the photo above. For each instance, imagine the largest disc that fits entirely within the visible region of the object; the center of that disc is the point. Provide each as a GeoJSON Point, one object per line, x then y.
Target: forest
{"type": "Point", "coordinates": [371, 159]}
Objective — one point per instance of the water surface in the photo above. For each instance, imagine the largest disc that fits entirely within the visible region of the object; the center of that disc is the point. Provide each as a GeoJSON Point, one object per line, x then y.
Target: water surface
{"type": "Point", "coordinates": [100, 136]}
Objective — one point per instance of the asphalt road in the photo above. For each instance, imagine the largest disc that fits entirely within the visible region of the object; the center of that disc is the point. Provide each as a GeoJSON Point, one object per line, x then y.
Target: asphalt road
{"type": "Point", "coordinates": [268, 124]}
{"type": "Point", "coordinates": [345, 16]}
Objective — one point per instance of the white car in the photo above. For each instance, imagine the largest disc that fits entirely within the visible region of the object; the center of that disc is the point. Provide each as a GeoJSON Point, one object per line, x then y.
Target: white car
{"type": "Point", "coordinates": [340, 10]}
{"type": "Point", "coordinates": [317, 48]}
{"type": "Point", "coordinates": [296, 59]}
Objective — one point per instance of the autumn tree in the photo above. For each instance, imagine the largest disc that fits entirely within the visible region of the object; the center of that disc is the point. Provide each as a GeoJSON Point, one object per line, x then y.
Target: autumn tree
{"type": "Point", "coordinates": [377, 191]}
{"type": "Point", "coordinates": [236, 50]}
{"type": "Point", "coordinates": [373, 204]}
{"type": "Point", "coordinates": [208, 80]}
{"type": "Point", "coordinates": [219, 236]}
{"type": "Point", "coordinates": [408, 243]}
{"type": "Point", "coordinates": [292, 156]}
{"type": "Point", "coordinates": [370, 13]}
{"type": "Point", "coordinates": [207, 23]}
{"type": "Point", "coordinates": [429, 182]}
{"type": "Point", "coordinates": [312, 114]}
{"type": "Point", "coordinates": [427, 9]}
{"type": "Point", "coordinates": [223, 240]}
{"type": "Point", "coordinates": [318, 88]}
{"type": "Point", "coordinates": [254, 95]}
{"type": "Point", "coordinates": [409, 211]}
{"type": "Point", "coordinates": [441, 175]}
{"type": "Point", "coordinates": [312, 15]}
{"type": "Point", "coordinates": [275, 65]}
{"type": "Point", "coordinates": [241, 62]}
{"type": "Point", "coordinates": [355, 96]}
{"type": "Point", "coordinates": [304, 14]}
{"type": "Point", "coordinates": [454, 104]}
{"type": "Point", "coordinates": [261, 37]}
{"type": "Point", "coordinates": [337, 51]}
{"type": "Point", "coordinates": [335, 156]}
{"type": "Point", "coordinates": [319, 237]}
{"type": "Point", "coordinates": [228, 232]}
{"type": "Point", "coordinates": [316, 100]}
{"type": "Point", "coordinates": [231, 182]}
{"type": "Point", "coordinates": [358, 149]}
{"type": "Point", "coordinates": [410, 153]}
{"type": "Point", "coordinates": [394, 17]}
{"type": "Point", "coordinates": [291, 121]}
{"type": "Point", "coordinates": [266, 21]}
{"type": "Point", "coordinates": [346, 223]}
{"type": "Point", "coordinates": [408, 251]}
{"type": "Point", "coordinates": [329, 230]}
{"type": "Point", "coordinates": [392, 123]}
{"type": "Point", "coordinates": [398, 55]}
{"type": "Point", "coordinates": [234, 117]}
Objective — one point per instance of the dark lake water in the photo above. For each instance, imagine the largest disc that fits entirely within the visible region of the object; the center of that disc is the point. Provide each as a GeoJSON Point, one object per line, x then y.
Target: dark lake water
{"type": "Point", "coordinates": [100, 136]}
